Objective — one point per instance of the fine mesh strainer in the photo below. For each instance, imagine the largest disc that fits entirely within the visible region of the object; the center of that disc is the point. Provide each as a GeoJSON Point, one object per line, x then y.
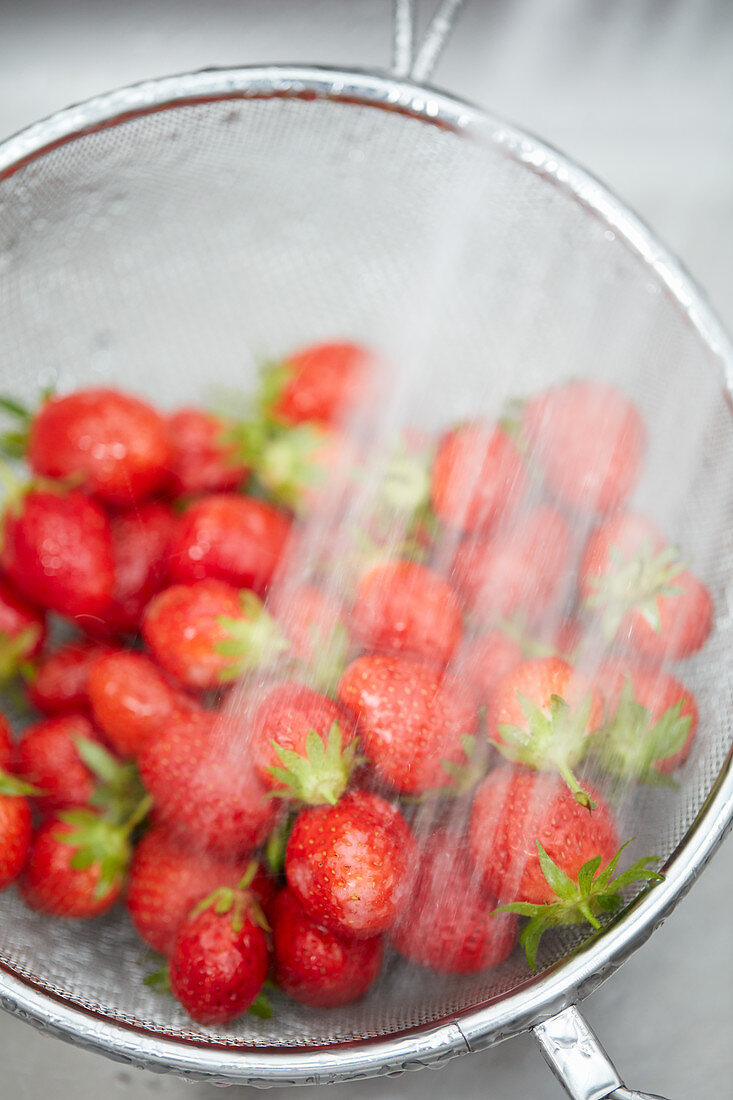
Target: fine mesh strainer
{"type": "Point", "coordinates": [164, 235]}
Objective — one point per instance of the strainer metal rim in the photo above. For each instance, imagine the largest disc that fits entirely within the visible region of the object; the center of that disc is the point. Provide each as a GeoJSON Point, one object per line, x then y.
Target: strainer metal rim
{"type": "Point", "coordinates": [573, 978]}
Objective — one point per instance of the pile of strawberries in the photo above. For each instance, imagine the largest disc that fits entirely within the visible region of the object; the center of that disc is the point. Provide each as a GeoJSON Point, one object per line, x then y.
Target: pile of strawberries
{"type": "Point", "coordinates": [280, 774]}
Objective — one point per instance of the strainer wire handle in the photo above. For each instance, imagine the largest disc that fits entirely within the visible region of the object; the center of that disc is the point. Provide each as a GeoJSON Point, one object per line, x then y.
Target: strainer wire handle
{"type": "Point", "coordinates": [579, 1062]}
{"type": "Point", "coordinates": [419, 65]}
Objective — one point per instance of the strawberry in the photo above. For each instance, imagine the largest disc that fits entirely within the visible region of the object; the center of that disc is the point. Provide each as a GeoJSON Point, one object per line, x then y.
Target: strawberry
{"type": "Point", "coordinates": [59, 685]}
{"type": "Point", "coordinates": [348, 864]}
{"type": "Point", "coordinates": [6, 744]}
{"type": "Point", "coordinates": [167, 878]}
{"type": "Point", "coordinates": [16, 822]}
{"type": "Point", "coordinates": [57, 551]}
{"type": "Point", "coordinates": [588, 440]}
{"type": "Point", "coordinates": [48, 757]}
{"type": "Point", "coordinates": [196, 770]}
{"type": "Point", "coordinates": [289, 718]}
{"type": "Point", "coordinates": [651, 722]}
{"type": "Point", "coordinates": [115, 442]}
{"type": "Point", "coordinates": [449, 922]}
{"type": "Point", "coordinates": [513, 809]}
{"type": "Point", "coordinates": [486, 659]}
{"type": "Point", "coordinates": [322, 383]}
{"type": "Point", "coordinates": [228, 537]}
{"type": "Point", "coordinates": [22, 632]}
{"type": "Point", "coordinates": [201, 461]}
{"type": "Point", "coordinates": [642, 592]}
{"type": "Point", "coordinates": [541, 713]}
{"type": "Point", "coordinates": [316, 967]}
{"type": "Point", "coordinates": [219, 960]}
{"type": "Point", "coordinates": [478, 477]}
{"type": "Point", "coordinates": [415, 725]}
{"type": "Point", "coordinates": [207, 633]}
{"type": "Point", "coordinates": [521, 568]}
{"type": "Point", "coordinates": [580, 899]}
{"type": "Point", "coordinates": [131, 699]}
{"type": "Point", "coordinates": [76, 866]}
{"type": "Point", "coordinates": [403, 607]}
{"type": "Point", "coordinates": [140, 544]}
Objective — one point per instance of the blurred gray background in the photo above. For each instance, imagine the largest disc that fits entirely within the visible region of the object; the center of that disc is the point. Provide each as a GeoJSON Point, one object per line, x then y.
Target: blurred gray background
{"type": "Point", "coordinates": [638, 91]}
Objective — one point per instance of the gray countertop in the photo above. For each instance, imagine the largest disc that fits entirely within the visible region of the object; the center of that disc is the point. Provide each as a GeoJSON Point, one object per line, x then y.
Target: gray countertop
{"type": "Point", "coordinates": [639, 92]}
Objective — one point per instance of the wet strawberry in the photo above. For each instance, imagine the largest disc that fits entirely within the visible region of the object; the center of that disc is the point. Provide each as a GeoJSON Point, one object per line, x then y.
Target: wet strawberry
{"type": "Point", "coordinates": [644, 595]}
{"type": "Point", "coordinates": [167, 878]}
{"type": "Point", "coordinates": [57, 551]}
{"type": "Point", "coordinates": [478, 477]}
{"type": "Point", "coordinates": [201, 460]}
{"type": "Point", "coordinates": [317, 967]}
{"type": "Point", "coordinates": [16, 822]}
{"type": "Point", "coordinates": [59, 685]}
{"type": "Point", "coordinates": [589, 441]}
{"type": "Point", "coordinates": [541, 714]}
{"type": "Point", "coordinates": [348, 864]}
{"type": "Point", "coordinates": [6, 744]}
{"type": "Point", "coordinates": [22, 632]}
{"type": "Point", "coordinates": [117, 443]}
{"type": "Point", "coordinates": [512, 810]}
{"type": "Point", "coordinates": [48, 757]}
{"type": "Point", "coordinates": [229, 537]}
{"type": "Point", "coordinates": [413, 722]}
{"type": "Point", "coordinates": [320, 383]}
{"type": "Point", "coordinates": [132, 700]}
{"type": "Point", "coordinates": [402, 607]}
{"type": "Point", "coordinates": [449, 922]}
{"type": "Point", "coordinates": [204, 786]}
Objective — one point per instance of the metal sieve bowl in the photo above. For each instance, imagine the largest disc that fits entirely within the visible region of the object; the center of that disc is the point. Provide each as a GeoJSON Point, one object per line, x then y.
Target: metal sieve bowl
{"type": "Point", "coordinates": [161, 237]}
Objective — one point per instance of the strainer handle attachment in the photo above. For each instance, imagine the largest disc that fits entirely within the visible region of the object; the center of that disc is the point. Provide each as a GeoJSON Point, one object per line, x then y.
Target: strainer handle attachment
{"type": "Point", "coordinates": [579, 1062]}
{"type": "Point", "coordinates": [418, 65]}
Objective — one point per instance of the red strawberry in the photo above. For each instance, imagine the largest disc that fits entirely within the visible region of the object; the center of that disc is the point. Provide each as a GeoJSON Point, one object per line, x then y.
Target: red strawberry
{"type": "Point", "coordinates": [405, 608]}
{"type": "Point", "coordinates": [22, 632]}
{"type": "Point", "coordinates": [486, 659]}
{"type": "Point", "coordinates": [512, 810]}
{"type": "Point", "coordinates": [59, 685]}
{"type": "Point", "coordinates": [131, 699]}
{"type": "Point", "coordinates": [167, 878]}
{"type": "Point", "coordinates": [117, 442]}
{"type": "Point", "coordinates": [201, 460]}
{"type": "Point", "coordinates": [219, 960]}
{"type": "Point", "coordinates": [449, 922]}
{"type": "Point", "coordinates": [322, 382]}
{"type": "Point", "coordinates": [522, 568]}
{"type": "Point", "coordinates": [348, 864]}
{"type": "Point", "coordinates": [541, 714]}
{"type": "Point", "coordinates": [642, 592]}
{"type": "Point", "coordinates": [412, 720]}
{"type": "Point", "coordinates": [57, 551]}
{"type": "Point", "coordinates": [16, 824]}
{"type": "Point", "coordinates": [231, 538]}
{"type": "Point", "coordinates": [316, 967]}
{"type": "Point", "coordinates": [478, 477]}
{"type": "Point", "coordinates": [207, 633]}
{"type": "Point", "coordinates": [140, 542]}
{"type": "Point", "coordinates": [651, 723]}
{"type": "Point", "coordinates": [204, 786]}
{"type": "Point", "coordinates": [75, 867]}
{"type": "Point", "coordinates": [48, 757]}
{"type": "Point", "coordinates": [289, 715]}
{"type": "Point", "coordinates": [6, 744]}
{"type": "Point", "coordinates": [589, 441]}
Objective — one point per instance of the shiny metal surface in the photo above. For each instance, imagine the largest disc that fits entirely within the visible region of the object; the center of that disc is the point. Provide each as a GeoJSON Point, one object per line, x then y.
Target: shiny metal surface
{"type": "Point", "coordinates": [574, 978]}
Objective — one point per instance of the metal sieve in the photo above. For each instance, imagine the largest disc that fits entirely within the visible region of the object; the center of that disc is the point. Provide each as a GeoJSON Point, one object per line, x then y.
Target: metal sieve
{"type": "Point", "coordinates": [160, 236]}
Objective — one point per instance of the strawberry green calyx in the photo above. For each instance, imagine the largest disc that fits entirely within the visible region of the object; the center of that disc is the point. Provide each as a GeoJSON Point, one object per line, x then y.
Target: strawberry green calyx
{"type": "Point", "coordinates": [319, 777]}
{"type": "Point", "coordinates": [634, 584]}
{"type": "Point", "coordinates": [14, 443]}
{"type": "Point", "coordinates": [119, 790]}
{"type": "Point", "coordinates": [330, 650]}
{"type": "Point", "coordinates": [12, 786]}
{"type": "Point", "coordinates": [595, 892]}
{"type": "Point", "coordinates": [554, 742]}
{"type": "Point", "coordinates": [237, 901]}
{"type": "Point", "coordinates": [159, 980]}
{"type": "Point", "coordinates": [291, 464]}
{"type": "Point", "coordinates": [631, 742]}
{"type": "Point", "coordinates": [14, 652]}
{"type": "Point", "coordinates": [253, 640]}
{"type": "Point", "coordinates": [406, 485]}
{"type": "Point", "coordinates": [100, 842]}
{"type": "Point", "coordinates": [276, 844]}
{"type": "Point", "coordinates": [463, 776]}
